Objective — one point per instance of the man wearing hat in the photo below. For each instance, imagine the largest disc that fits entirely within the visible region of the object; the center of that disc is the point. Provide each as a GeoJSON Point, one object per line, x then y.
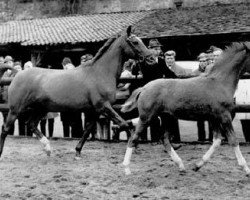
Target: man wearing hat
{"type": "Point", "coordinates": [151, 72]}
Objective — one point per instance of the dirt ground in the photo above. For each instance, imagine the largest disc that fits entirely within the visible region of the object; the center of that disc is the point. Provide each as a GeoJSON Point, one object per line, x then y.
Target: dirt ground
{"type": "Point", "coordinates": [27, 173]}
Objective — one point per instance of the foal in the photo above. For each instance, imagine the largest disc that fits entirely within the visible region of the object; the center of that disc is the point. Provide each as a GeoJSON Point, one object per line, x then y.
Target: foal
{"type": "Point", "coordinates": [207, 97]}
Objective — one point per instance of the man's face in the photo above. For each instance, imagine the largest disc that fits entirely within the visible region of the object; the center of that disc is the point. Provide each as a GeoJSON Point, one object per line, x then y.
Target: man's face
{"type": "Point", "coordinates": [203, 63]}
{"type": "Point", "coordinates": [211, 58]}
{"type": "Point", "coordinates": [216, 54]}
{"type": "Point", "coordinates": [18, 67]}
{"type": "Point", "coordinates": [170, 60]}
{"type": "Point", "coordinates": [10, 63]}
{"type": "Point", "coordinates": [157, 50]}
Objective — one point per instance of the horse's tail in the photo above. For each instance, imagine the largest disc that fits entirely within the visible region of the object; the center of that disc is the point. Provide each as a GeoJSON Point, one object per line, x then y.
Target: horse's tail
{"type": "Point", "coordinates": [4, 68]}
{"type": "Point", "coordinates": [131, 102]}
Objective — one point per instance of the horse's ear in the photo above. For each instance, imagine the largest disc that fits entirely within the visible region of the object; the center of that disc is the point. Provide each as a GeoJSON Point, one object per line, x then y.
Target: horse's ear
{"type": "Point", "coordinates": [129, 30]}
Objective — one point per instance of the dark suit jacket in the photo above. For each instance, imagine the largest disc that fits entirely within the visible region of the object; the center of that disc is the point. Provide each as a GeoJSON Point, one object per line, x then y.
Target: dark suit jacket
{"type": "Point", "coordinates": [156, 71]}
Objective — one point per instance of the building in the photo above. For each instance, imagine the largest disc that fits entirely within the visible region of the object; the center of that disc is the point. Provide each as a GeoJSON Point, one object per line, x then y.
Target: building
{"type": "Point", "coordinates": [188, 30]}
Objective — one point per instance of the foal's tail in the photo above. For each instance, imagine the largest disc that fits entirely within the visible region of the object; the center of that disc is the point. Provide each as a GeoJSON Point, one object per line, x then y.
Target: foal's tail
{"type": "Point", "coordinates": [4, 68]}
{"type": "Point", "coordinates": [131, 102]}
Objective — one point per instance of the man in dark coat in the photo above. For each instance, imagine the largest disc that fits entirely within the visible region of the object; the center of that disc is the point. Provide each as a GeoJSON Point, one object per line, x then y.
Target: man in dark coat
{"type": "Point", "coordinates": [151, 72]}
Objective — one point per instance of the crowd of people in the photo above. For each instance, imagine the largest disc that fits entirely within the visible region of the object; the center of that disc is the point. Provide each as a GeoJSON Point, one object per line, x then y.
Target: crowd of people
{"type": "Point", "coordinates": [165, 67]}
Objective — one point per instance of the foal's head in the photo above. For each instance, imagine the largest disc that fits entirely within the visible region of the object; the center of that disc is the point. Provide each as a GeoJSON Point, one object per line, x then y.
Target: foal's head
{"type": "Point", "coordinates": [133, 47]}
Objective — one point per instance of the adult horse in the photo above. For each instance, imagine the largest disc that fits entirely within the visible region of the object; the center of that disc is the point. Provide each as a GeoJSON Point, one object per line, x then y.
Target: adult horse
{"type": "Point", "coordinates": [89, 88]}
{"type": "Point", "coordinates": [207, 97]}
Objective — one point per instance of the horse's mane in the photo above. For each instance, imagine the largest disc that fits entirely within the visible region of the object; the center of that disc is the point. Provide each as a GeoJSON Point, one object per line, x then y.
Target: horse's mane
{"type": "Point", "coordinates": [104, 48]}
{"type": "Point", "coordinates": [227, 54]}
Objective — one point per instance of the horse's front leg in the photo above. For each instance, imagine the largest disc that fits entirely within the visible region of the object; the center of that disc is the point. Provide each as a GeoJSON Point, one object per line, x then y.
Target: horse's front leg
{"type": "Point", "coordinates": [90, 121]}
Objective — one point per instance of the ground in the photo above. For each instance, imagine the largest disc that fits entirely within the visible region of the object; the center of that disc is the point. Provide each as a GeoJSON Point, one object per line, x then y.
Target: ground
{"type": "Point", "coordinates": [27, 173]}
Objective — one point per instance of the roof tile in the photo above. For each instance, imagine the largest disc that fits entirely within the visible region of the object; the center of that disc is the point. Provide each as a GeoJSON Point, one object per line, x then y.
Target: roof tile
{"type": "Point", "coordinates": [71, 29]}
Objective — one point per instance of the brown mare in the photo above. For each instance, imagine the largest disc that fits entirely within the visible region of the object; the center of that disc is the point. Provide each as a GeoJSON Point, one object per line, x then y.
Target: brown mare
{"type": "Point", "coordinates": [208, 97]}
{"type": "Point", "coordinates": [89, 88]}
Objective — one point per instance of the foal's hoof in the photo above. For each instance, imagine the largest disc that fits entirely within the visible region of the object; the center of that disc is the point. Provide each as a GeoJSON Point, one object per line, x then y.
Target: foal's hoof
{"type": "Point", "coordinates": [47, 150]}
{"type": "Point", "coordinates": [182, 171]}
{"type": "Point", "coordinates": [176, 146]}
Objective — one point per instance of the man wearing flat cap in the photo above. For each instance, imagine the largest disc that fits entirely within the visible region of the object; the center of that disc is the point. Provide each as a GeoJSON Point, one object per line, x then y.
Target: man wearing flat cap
{"type": "Point", "coordinates": [151, 72]}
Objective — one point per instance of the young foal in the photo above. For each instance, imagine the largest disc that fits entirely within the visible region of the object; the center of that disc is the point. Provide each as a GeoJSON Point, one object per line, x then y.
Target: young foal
{"type": "Point", "coordinates": [90, 88]}
{"type": "Point", "coordinates": [208, 97]}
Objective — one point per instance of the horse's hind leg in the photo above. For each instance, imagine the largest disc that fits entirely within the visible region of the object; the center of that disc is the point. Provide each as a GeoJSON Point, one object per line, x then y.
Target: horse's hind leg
{"type": "Point", "coordinates": [216, 143]}
{"type": "Point", "coordinates": [33, 121]}
{"type": "Point", "coordinates": [8, 126]}
{"type": "Point", "coordinates": [169, 149]}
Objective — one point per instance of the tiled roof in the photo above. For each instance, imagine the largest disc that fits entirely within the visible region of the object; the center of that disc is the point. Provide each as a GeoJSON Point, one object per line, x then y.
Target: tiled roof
{"type": "Point", "coordinates": [157, 23]}
{"type": "Point", "coordinates": [72, 29]}
{"type": "Point", "coordinates": [214, 19]}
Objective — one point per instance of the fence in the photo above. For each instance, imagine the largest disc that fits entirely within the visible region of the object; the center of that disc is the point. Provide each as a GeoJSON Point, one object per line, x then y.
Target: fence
{"type": "Point", "coordinates": [105, 129]}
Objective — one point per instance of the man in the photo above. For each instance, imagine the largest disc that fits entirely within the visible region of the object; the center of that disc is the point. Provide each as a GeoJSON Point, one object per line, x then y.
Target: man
{"type": "Point", "coordinates": [203, 62]}
{"type": "Point", "coordinates": [150, 73]}
{"type": "Point", "coordinates": [84, 59]}
{"type": "Point", "coordinates": [213, 54]}
{"type": "Point", "coordinates": [70, 118]}
{"type": "Point", "coordinates": [4, 89]}
{"type": "Point", "coordinates": [178, 70]}
{"type": "Point", "coordinates": [202, 58]}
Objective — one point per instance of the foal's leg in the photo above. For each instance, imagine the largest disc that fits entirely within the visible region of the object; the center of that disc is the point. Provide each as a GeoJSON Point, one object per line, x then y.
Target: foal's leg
{"type": "Point", "coordinates": [232, 139]}
{"type": "Point", "coordinates": [90, 121]}
{"type": "Point", "coordinates": [168, 147]}
{"type": "Point", "coordinates": [216, 143]}
{"type": "Point", "coordinates": [7, 128]}
{"type": "Point", "coordinates": [141, 126]}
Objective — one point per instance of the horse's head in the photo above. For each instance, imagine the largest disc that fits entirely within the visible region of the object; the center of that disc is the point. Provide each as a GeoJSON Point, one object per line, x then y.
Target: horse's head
{"type": "Point", "coordinates": [134, 47]}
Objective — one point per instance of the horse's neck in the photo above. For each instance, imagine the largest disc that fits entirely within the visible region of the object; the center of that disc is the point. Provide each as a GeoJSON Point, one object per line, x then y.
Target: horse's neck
{"type": "Point", "coordinates": [111, 62]}
{"type": "Point", "coordinates": [228, 74]}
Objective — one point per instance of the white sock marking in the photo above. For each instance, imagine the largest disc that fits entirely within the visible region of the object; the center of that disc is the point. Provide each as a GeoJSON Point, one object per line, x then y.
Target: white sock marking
{"type": "Point", "coordinates": [241, 160]}
{"type": "Point", "coordinates": [127, 157]}
{"type": "Point", "coordinates": [177, 159]}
